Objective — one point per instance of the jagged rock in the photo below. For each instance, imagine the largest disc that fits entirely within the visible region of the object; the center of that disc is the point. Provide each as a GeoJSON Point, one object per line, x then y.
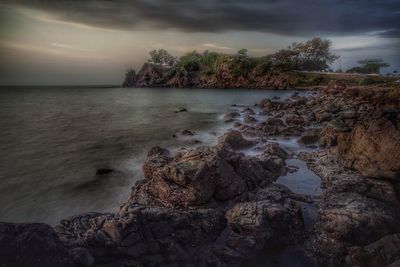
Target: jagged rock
{"type": "Point", "coordinates": [230, 116]}
{"type": "Point", "coordinates": [380, 253]}
{"type": "Point", "coordinates": [249, 119]}
{"type": "Point", "coordinates": [234, 140]}
{"type": "Point", "coordinates": [32, 245]}
{"type": "Point", "coordinates": [204, 173]}
{"type": "Point", "coordinates": [143, 235]}
{"type": "Point", "coordinates": [311, 136]}
{"type": "Point", "coordinates": [248, 111]}
{"type": "Point", "coordinates": [181, 110]}
{"type": "Point", "coordinates": [373, 148]}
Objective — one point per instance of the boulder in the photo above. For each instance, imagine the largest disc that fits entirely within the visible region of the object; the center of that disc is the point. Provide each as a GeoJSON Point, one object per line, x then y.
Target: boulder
{"type": "Point", "coordinates": [32, 245]}
{"type": "Point", "coordinates": [143, 236]}
{"type": "Point", "coordinates": [311, 136]}
{"type": "Point", "coordinates": [373, 148]}
{"type": "Point", "coordinates": [230, 116]}
{"type": "Point", "coordinates": [380, 253]}
{"type": "Point", "coordinates": [203, 174]}
{"type": "Point", "coordinates": [234, 140]}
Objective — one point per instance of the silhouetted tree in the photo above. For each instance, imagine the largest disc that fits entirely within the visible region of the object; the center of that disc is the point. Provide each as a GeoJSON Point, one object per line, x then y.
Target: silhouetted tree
{"type": "Point", "coordinates": [162, 57]}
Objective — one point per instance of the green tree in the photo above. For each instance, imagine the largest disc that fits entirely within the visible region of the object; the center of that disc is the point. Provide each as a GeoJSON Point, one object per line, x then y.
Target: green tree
{"type": "Point", "coordinates": [372, 65]}
{"type": "Point", "coordinates": [314, 55]}
{"type": "Point", "coordinates": [161, 57]}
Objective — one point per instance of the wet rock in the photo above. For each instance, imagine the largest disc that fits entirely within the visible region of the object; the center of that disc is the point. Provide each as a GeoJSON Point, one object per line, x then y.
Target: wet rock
{"type": "Point", "coordinates": [202, 174]}
{"type": "Point", "coordinates": [249, 119]}
{"type": "Point", "coordinates": [380, 253]}
{"type": "Point", "coordinates": [230, 116]}
{"type": "Point", "coordinates": [187, 133]}
{"type": "Point", "coordinates": [311, 136]}
{"type": "Point", "coordinates": [352, 211]}
{"type": "Point", "coordinates": [234, 140]}
{"type": "Point", "coordinates": [181, 110]}
{"type": "Point", "coordinates": [144, 236]}
{"type": "Point", "coordinates": [32, 245]}
{"type": "Point", "coordinates": [254, 225]}
{"type": "Point", "coordinates": [248, 111]}
{"type": "Point", "coordinates": [104, 171]}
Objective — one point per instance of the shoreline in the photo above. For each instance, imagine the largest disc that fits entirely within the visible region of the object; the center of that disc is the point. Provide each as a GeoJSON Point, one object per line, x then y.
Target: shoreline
{"type": "Point", "coordinates": [215, 205]}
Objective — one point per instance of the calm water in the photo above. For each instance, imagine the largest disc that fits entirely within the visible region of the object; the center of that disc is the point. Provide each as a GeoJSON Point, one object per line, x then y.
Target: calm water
{"type": "Point", "coordinates": [53, 140]}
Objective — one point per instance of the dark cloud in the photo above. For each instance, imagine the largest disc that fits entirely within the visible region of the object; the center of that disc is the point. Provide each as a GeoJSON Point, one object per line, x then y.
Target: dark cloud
{"type": "Point", "coordinates": [288, 17]}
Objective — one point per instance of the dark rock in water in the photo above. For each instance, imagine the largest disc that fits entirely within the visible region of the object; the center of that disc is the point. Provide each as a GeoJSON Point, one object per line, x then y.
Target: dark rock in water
{"type": "Point", "coordinates": [276, 98]}
{"type": "Point", "coordinates": [249, 119]}
{"type": "Point", "coordinates": [230, 116]}
{"type": "Point", "coordinates": [203, 174]}
{"type": "Point", "coordinates": [234, 140]}
{"type": "Point", "coordinates": [248, 111]}
{"type": "Point", "coordinates": [32, 245]}
{"type": "Point", "coordinates": [103, 178]}
{"type": "Point", "coordinates": [187, 132]}
{"type": "Point", "coordinates": [104, 171]}
{"type": "Point", "coordinates": [181, 110]}
{"type": "Point", "coordinates": [311, 136]}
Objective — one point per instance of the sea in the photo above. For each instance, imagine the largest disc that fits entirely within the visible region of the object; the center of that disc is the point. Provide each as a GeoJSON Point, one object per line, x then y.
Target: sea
{"type": "Point", "coordinates": [55, 141]}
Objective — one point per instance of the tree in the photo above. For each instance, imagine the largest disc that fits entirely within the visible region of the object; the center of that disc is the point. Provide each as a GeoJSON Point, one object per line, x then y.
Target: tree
{"type": "Point", "coordinates": [162, 57]}
{"type": "Point", "coordinates": [373, 65]}
{"type": "Point", "coordinates": [242, 52]}
{"type": "Point", "coordinates": [314, 55]}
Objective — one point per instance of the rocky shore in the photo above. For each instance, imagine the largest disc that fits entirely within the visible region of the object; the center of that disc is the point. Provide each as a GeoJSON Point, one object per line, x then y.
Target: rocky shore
{"type": "Point", "coordinates": [221, 206]}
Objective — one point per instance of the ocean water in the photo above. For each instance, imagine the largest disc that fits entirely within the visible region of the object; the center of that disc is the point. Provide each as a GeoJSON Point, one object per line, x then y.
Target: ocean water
{"type": "Point", "coordinates": [53, 141]}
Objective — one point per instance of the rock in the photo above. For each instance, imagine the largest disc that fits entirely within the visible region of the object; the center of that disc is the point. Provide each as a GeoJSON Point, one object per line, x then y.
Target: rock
{"type": "Point", "coordinates": [234, 140]}
{"type": "Point", "coordinates": [32, 245]}
{"type": "Point", "coordinates": [104, 171]}
{"type": "Point", "coordinates": [144, 236]}
{"type": "Point", "coordinates": [248, 111]}
{"type": "Point", "coordinates": [254, 225]}
{"type": "Point", "coordinates": [230, 116]}
{"type": "Point", "coordinates": [187, 132]}
{"type": "Point", "coordinates": [330, 133]}
{"type": "Point", "coordinates": [380, 253]}
{"type": "Point", "coordinates": [202, 174]}
{"type": "Point", "coordinates": [311, 136]}
{"type": "Point", "coordinates": [373, 148]}
{"type": "Point", "coordinates": [353, 211]}
{"type": "Point", "coordinates": [249, 119]}
{"type": "Point", "coordinates": [181, 110]}
{"type": "Point", "coordinates": [334, 87]}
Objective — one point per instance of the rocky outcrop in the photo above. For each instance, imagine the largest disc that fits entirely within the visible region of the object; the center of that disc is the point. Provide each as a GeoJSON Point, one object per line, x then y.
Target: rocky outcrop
{"type": "Point", "coordinates": [151, 75]}
{"type": "Point", "coordinates": [353, 211]}
{"type": "Point", "coordinates": [373, 148]}
{"type": "Point", "coordinates": [144, 236]}
{"type": "Point", "coordinates": [205, 174]}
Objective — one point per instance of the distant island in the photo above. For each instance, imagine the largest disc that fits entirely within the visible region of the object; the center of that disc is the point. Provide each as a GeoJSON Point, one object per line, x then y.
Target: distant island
{"type": "Point", "coordinates": [299, 65]}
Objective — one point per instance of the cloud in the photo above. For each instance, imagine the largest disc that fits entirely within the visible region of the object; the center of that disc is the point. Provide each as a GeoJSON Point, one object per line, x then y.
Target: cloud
{"type": "Point", "coordinates": [216, 46]}
{"type": "Point", "coordinates": [286, 17]}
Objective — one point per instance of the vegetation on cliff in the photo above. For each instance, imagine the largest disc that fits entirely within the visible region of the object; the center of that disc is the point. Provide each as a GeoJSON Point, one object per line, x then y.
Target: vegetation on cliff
{"type": "Point", "coordinates": [212, 69]}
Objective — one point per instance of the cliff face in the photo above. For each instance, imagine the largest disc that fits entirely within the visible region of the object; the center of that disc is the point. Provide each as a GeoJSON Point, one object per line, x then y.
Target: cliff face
{"type": "Point", "coordinates": [152, 75]}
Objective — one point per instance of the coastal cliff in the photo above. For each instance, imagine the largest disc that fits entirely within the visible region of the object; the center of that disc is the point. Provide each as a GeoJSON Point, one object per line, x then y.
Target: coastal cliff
{"type": "Point", "coordinates": [219, 206]}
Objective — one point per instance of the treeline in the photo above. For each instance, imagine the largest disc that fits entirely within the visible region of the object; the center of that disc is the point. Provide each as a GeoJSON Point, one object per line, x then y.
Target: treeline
{"type": "Point", "coordinates": [313, 55]}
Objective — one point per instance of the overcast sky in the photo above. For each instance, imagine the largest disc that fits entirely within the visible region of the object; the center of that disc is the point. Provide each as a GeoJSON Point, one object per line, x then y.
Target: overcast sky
{"type": "Point", "coordinates": [94, 42]}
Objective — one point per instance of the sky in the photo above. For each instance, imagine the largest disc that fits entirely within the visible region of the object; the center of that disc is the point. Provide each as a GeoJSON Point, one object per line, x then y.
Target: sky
{"type": "Point", "coordinates": [92, 42]}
